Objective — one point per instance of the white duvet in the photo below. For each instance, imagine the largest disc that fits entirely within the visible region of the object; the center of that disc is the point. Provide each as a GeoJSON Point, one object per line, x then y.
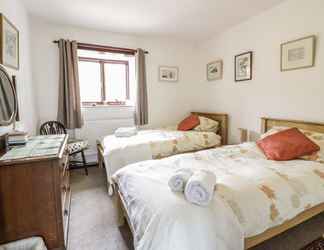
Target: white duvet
{"type": "Point", "coordinates": [252, 195]}
{"type": "Point", "coordinates": [153, 144]}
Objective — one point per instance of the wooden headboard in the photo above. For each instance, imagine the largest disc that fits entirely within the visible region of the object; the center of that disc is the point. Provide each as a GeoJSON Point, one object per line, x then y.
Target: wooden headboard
{"type": "Point", "coordinates": [268, 123]}
{"type": "Point", "coordinates": [223, 123]}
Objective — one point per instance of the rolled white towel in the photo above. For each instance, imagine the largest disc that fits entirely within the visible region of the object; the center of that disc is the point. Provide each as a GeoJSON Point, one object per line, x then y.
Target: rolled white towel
{"type": "Point", "coordinates": [200, 187]}
{"type": "Point", "coordinates": [179, 179]}
{"type": "Point", "coordinates": [126, 132]}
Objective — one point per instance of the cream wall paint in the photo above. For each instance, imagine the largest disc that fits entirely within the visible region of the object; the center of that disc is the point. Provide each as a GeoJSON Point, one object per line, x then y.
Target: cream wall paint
{"type": "Point", "coordinates": [17, 14]}
{"type": "Point", "coordinates": [297, 94]}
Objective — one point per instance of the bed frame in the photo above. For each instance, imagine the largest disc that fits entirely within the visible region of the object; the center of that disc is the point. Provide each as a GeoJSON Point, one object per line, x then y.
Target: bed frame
{"type": "Point", "coordinates": [223, 132]}
{"type": "Point", "coordinates": [267, 124]}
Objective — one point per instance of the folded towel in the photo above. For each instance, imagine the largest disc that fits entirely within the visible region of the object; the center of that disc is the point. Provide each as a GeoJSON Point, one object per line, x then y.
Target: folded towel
{"type": "Point", "coordinates": [179, 179]}
{"type": "Point", "coordinates": [200, 187]}
{"type": "Point", "coordinates": [126, 132]}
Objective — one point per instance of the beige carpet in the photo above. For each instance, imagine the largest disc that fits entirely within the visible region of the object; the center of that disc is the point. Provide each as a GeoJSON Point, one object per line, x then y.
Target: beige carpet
{"type": "Point", "coordinates": [93, 217]}
{"type": "Point", "coordinates": [93, 220]}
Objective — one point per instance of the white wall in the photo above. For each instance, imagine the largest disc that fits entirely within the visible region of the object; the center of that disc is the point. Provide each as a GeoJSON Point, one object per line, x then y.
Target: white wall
{"type": "Point", "coordinates": [17, 14]}
{"type": "Point", "coordinates": [168, 102]}
{"type": "Point", "coordinates": [297, 94]}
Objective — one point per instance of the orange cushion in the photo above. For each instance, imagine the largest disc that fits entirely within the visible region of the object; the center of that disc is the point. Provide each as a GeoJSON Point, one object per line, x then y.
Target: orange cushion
{"type": "Point", "coordinates": [287, 145]}
{"type": "Point", "coordinates": [189, 123]}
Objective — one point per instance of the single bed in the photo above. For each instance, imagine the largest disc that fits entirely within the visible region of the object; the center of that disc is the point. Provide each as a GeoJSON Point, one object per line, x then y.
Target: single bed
{"type": "Point", "coordinates": [255, 198]}
{"type": "Point", "coordinates": [115, 152]}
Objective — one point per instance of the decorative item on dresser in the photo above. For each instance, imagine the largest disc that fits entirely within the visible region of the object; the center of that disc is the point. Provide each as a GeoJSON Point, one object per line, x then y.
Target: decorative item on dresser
{"type": "Point", "coordinates": [35, 193]}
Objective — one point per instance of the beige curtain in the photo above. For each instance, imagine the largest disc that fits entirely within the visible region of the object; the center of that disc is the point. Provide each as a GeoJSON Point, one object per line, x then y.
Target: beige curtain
{"type": "Point", "coordinates": [69, 104]}
{"type": "Point", "coordinates": [141, 106]}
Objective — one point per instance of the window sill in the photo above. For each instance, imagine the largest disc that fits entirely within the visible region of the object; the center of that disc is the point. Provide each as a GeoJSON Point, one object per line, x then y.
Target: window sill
{"type": "Point", "coordinates": [107, 106]}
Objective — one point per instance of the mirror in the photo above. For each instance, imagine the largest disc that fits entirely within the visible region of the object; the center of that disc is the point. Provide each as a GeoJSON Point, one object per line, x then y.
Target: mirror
{"type": "Point", "coordinates": [8, 101]}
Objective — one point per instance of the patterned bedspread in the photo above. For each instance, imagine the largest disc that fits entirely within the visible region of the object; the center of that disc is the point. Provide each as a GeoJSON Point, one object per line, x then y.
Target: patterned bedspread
{"type": "Point", "coordinates": [153, 144]}
{"type": "Point", "coordinates": [260, 193]}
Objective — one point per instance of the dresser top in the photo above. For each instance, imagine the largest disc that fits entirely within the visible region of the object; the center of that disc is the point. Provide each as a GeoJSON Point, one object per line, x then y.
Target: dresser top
{"type": "Point", "coordinates": [45, 147]}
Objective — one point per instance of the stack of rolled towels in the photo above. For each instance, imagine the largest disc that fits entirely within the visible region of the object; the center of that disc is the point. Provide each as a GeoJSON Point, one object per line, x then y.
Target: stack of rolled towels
{"type": "Point", "coordinates": [126, 132]}
{"type": "Point", "coordinates": [198, 186]}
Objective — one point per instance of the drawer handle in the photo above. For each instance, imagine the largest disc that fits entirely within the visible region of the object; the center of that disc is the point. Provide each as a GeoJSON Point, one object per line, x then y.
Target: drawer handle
{"type": "Point", "coordinates": [66, 212]}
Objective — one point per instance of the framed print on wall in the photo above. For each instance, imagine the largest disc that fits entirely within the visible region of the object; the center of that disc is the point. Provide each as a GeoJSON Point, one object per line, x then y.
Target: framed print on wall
{"type": "Point", "coordinates": [168, 73]}
{"type": "Point", "coordinates": [9, 43]}
{"type": "Point", "coordinates": [298, 54]}
{"type": "Point", "coordinates": [243, 67]}
{"type": "Point", "coordinates": [215, 70]}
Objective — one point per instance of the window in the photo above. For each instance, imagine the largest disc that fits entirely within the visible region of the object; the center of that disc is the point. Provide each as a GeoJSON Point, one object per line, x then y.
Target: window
{"type": "Point", "coordinates": [106, 78]}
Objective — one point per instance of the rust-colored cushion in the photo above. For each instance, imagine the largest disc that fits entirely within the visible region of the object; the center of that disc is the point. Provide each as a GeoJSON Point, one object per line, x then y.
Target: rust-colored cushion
{"type": "Point", "coordinates": [287, 145]}
{"type": "Point", "coordinates": [189, 123]}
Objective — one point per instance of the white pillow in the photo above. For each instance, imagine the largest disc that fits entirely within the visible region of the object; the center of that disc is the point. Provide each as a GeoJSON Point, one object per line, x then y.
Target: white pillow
{"type": "Point", "coordinates": [207, 125]}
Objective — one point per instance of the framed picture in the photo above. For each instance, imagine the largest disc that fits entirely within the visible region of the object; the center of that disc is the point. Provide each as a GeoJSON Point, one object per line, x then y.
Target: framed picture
{"type": "Point", "coordinates": [215, 70]}
{"type": "Point", "coordinates": [9, 43]}
{"type": "Point", "coordinates": [168, 73]}
{"type": "Point", "coordinates": [243, 67]}
{"type": "Point", "coordinates": [298, 54]}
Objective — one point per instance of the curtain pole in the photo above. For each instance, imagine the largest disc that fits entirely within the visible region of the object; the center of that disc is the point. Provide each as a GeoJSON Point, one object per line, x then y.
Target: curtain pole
{"type": "Point", "coordinates": [93, 45]}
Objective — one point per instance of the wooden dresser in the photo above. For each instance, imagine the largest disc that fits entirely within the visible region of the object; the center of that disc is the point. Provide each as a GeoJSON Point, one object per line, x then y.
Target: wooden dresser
{"type": "Point", "coordinates": [35, 193]}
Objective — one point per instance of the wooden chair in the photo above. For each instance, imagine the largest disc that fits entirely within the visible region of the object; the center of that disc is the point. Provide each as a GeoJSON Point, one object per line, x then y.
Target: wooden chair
{"type": "Point", "coordinates": [74, 146]}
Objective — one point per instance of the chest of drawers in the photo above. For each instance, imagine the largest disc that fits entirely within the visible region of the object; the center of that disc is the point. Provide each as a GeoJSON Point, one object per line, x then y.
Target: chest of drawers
{"type": "Point", "coordinates": [35, 193]}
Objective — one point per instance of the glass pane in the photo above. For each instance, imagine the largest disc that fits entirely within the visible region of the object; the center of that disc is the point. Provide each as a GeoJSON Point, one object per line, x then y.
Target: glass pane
{"type": "Point", "coordinates": [90, 83]}
{"type": "Point", "coordinates": [115, 77]}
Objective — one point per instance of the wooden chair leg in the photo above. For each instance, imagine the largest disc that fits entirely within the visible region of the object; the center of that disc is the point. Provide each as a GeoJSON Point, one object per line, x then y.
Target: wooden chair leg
{"type": "Point", "coordinates": [84, 162]}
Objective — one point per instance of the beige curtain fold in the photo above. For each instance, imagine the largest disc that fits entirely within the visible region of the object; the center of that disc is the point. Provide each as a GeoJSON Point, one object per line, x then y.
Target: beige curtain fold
{"type": "Point", "coordinates": [69, 104]}
{"type": "Point", "coordinates": [141, 106]}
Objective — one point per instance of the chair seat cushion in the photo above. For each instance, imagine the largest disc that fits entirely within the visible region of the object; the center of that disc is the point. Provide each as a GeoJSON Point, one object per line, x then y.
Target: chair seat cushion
{"type": "Point", "coordinates": [75, 145]}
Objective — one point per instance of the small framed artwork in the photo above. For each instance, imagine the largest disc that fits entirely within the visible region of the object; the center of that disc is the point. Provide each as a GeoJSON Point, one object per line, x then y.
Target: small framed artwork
{"type": "Point", "coordinates": [243, 66]}
{"type": "Point", "coordinates": [168, 73]}
{"type": "Point", "coordinates": [9, 43]}
{"type": "Point", "coordinates": [298, 54]}
{"type": "Point", "coordinates": [215, 70]}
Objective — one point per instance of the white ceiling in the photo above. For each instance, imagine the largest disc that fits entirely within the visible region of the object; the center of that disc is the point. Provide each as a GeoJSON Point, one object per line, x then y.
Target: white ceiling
{"type": "Point", "coordinates": [193, 20]}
